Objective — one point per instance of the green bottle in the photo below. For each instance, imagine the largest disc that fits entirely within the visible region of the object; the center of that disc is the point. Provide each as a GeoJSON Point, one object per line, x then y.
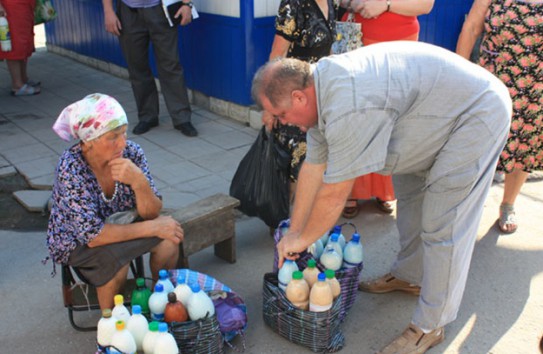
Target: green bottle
{"type": "Point", "coordinates": [140, 296]}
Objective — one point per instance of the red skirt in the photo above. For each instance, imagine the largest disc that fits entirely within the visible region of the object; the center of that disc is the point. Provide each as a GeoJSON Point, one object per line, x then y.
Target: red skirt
{"type": "Point", "coordinates": [373, 185]}
{"type": "Point", "coordinates": [20, 16]}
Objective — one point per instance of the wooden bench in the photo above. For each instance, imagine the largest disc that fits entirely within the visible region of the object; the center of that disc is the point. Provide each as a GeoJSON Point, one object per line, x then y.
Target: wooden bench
{"type": "Point", "coordinates": [207, 222]}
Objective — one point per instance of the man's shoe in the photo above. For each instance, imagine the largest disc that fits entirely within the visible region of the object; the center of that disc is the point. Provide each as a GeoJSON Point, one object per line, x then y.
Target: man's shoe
{"type": "Point", "coordinates": [414, 341]}
{"type": "Point", "coordinates": [143, 127]}
{"type": "Point", "coordinates": [187, 129]}
{"type": "Point", "coordinates": [388, 283]}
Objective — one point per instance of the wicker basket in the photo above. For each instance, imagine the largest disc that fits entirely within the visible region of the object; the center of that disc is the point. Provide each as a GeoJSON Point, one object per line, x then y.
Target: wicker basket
{"type": "Point", "coordinates": [347, 277]}
{"type": "Point", "coordinates": [318, 331]}
{"type": "Point", "coordinates": [198, 337]}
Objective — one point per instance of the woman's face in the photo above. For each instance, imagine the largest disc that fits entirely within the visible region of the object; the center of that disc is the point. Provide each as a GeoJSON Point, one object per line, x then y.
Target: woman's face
{"type": "Point", "coordinates": [111, 145]}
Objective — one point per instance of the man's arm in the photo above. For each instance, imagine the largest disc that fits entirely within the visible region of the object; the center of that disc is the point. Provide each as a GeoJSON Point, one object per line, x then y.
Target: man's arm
{"type": "Point", "coordinates": [111, 21]}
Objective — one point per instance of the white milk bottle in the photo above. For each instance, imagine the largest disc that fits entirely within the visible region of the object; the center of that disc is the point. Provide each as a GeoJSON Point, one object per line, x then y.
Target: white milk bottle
{"type": "Point", "coordinates": [340, 237]}
{"type": "Point", "coordinates": [353, 254]}
{"type": "Point", "coordinates": [324, 238]}
{"type": "Point", "coordinates": [105, 330]}
{"type": "Point", "coordinates": [332, 256]}
{"type": "Point", "coordinates": [200, 304]}
{"type": "Point", "coordinates": [120, 312]}
{"type": "Point", "coordinates": [311, 272]}
{"type": "Point", "coordinates": [138, 326]}
{"type": "Point", "coordinates": [150, 338]}
{"type": "Point", "coordinates": [333, 282]}
{"type": "Point", "coordinates": [182, 290]}
{"type": "Point", "coordinates": [157, 303]}
{"type": "Point", "coordinates": [122, 340]}
{"type": "Point", "coordinates": [316, 249]}
{"type": "Point", "coordinates": [285, 273]}
{"type": "Point", "coordinates": [165, 342]}
{"type": "Point", "coordinates": [298, 291]}
{"type": "Point", "coordinates": [320, 297]}
{"type": "Point", "coordinates": [164, 279]}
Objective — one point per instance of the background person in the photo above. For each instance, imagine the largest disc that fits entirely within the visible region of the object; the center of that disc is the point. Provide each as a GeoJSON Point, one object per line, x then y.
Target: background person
{"type": "Point", "coordinates": [101, 175]}
{"type": "Point", "coordinates": [432, 119]}
{"type": "Point", "coordinates": [512, 49]}
{"type": "Point", "coordinates": [382, 21]}
{"type": "Point", "coordinates": [20, 16]}
{"type": "Point", "coordinates": [138, 23]}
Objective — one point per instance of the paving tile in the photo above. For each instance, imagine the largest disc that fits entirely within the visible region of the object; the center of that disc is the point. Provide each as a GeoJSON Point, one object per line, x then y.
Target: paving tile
{"type": "Point", "coordinates": [230, 140]}
{"type": "Point", "coordinates": [42, 183]}
{"type": "Point", "coordinates": [211, 128]}
{"type": "Point", "coordinates": [38, 168]}
{"type": "Point", "coordinates": [210, 115]}
{"type": "Point", "coordinates": [180, 172]}
{"type": "Point", "coordinates": [4, 162]}
{"type": "Point", "coordinates": [7, 171]}
{"type": "Point", "coordinates": [172, 199]}
{"type": "Point", "coordinates": [33, 201]}
{"type": "Point", "coordinates": [28, 153]}
{"type": "Point", "coordinates": [12, 137]}
{"type": "Point", "coordinates": [219, 163]}
{"type": "Point", "coordinates": [194, 148]}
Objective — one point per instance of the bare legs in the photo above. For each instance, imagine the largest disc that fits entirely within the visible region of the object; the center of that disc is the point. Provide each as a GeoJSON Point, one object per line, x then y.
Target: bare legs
{"type": "Point", "coordinates": [110, 289]}
{"type": "Point", "coordinates": [513, 183]}
{"type": "Point", "coordinates": [17, 71]}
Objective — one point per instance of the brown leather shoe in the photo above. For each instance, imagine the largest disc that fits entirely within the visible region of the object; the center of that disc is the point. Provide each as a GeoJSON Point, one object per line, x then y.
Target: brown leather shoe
{"type": "Point", "coordinates": [414, 341]}
{"type": "Point", "coordinates": [388, 283]}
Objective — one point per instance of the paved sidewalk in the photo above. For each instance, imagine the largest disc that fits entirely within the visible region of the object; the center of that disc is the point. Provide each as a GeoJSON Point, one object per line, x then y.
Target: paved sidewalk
{"type": "Point", "coordinates": [502, 306]}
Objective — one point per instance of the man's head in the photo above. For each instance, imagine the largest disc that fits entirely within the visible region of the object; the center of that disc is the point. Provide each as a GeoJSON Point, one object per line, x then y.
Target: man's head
{"type": "Point", "coordinates": [285, 88]}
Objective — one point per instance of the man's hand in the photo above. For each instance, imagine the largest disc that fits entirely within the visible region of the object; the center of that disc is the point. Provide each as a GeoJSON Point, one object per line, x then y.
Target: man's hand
{"type": "Point", "coordinates": [290, 247]}
{"type": "Point", "coordinates": [268, 121]}
{"type": "Point", "coordinates": [168, 228]}
{"type": "Point", "coordinates": [125, 171]}
{"type": "Point", "coordinates": [113, 25]}
{"type": "Point", "coordinates": [185, 13]}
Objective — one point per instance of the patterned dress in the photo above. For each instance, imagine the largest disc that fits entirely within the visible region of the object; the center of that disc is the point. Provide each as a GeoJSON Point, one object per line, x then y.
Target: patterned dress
{"type": "Point", "coordinates": [512, 49]}
{"type": "Point", "coordinates": [79, 211]}
{"type": "Point", "coordinates": [302, 23]}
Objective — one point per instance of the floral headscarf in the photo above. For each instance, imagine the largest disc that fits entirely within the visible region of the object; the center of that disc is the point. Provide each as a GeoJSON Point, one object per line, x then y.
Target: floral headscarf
{"type": "Point", "coordinates": [90, 118]}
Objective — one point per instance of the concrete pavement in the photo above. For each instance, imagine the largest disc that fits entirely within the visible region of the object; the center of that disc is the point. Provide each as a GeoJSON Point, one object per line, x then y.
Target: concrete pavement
{"type": "Point", "coordinates": [502, 306]}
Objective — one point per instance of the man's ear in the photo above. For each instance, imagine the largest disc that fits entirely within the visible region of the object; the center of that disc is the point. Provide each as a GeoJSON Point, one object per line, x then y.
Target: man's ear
{"type": "Point", "coordinates": [299, 96]}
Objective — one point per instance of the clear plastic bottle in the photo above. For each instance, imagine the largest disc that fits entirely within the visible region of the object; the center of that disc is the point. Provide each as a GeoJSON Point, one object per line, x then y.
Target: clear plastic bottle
{"type": "Point", "coordinates": [285, 273]}
{"type": "Point", "coordinates": [164, 279]}
{"type": "Point", "coordinates": [122, 340]}
{"type": "Point", "coordinates": [298, 291]}
{"type": "Point", "coordinates": [316, 249]}
{"type": "Point", "coordinates": [105, 330]}
{"type": "Point", "coordinates": [200, 304]}
{"type": "Point", "coordinates": [324, 238]}
{"type": "Point", "coordinates": [138, 326]}
{"type": "Point", "coordinates": [157, 303]}
{"type": "Point", "coordinates": [5, 35]}
{"type": "Point", "coordinates": [332, 256]}
{"type": "Point", "coordinates": [333, 282]}
{"type": "Point", "coordinates": [320, 297]}
{"type": "Point", "coordinates": [165, 342]}
{"type": "Point", "coordinates": [182, 290]}
{"type": "Point", "coordinates": [150, 338]}
{"type": "Point", "coordinates": [311, 272]}
{"type": "Point", "coordinates": [353, 254]}
{"type": "Point", "coordinates": [175, 311]}
{"type": "Point", "coordinates": [140, 296]}
{"type": "Point", "coordinates": [341, 237]}
{"type": "Point", "coordinates": [120, 312]}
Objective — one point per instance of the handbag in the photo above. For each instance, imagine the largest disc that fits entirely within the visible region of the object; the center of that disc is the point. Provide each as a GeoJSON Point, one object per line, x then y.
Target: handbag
{"type": "Point", "coordinates": [44, 12]}
{"type": "Point", "coordinates": [348, 35]}
{"type": "Point", "coordinates": [261, 181]}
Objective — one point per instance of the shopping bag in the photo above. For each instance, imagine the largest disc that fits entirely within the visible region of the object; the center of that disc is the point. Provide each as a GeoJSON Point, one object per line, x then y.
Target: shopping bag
{"type": "Point", "coordinates": [348, 35]}
{"type": "Point", "coordinates": [261, 181]}
{"type": "Point", "coordinates": [44, 12]}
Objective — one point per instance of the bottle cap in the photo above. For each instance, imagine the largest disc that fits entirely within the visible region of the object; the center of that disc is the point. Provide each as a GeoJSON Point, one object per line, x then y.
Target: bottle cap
{"type": "Point", "coordinates": [118, 299]}
{"type": "Point", "coordinates": [153, 326]}
{"type": "Point", "coordinates": [322, 277]}
{"type": "Point", "coordinates": [106, 313]}
{"type": "Point", "coordinates": [195, 287]}
{"type": "Point", "coordinates": [163, 327]}
{"type": "Point", "coordinates": [297, 275]}
{"type": "Point", "coordinates": [181, 278]}
{"type": "Point", "coordinates": [336, 229]}
{"type": "Point", "coordinates": [163, 274]}
{"type": "Point", "coordinates": [334, 237]}
{"type": "Point", "coordinates": [330, 274]}
{"type": "Point", "coordinates": [140, 282]}
{"type": "Point", "coordinates": [136, 310]}
{"type": "Point", "coordinates": [356, 237]}
{"type": "Point", "coordinates": [289, 261]}
{"type": "Point", "coordinates": [119, 325]}
{"type": "Point", "coordinates": [159, 288]}
{"type": "Point", "coordinates": [172, 298]}
{"type": "Point", "coordinates": [311, 263]}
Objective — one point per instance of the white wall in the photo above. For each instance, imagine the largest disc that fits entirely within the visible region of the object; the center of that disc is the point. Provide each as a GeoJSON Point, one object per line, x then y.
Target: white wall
{"type": "Point", "coordinates": [228, 8]}
{"type": "Point", "coordinates": [265, 8]}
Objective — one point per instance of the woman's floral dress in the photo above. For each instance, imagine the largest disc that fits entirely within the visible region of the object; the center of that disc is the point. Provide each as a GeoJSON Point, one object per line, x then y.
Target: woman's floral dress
{"type": "Point", "coordinates": [302, 23]}
{"type": "Point", "coordinates": [512, 49]}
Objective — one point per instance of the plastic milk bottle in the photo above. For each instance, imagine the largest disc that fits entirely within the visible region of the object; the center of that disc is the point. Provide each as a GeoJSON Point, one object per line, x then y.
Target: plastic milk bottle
{"type": "Point", "coordinates": [199, 305]}
{"type": "Point", "coordinates": [320, 297]}
{"type": "Point", "coordinates": [353, 253]}
{"type": "Point", "coordinates": [311, 272]}
{"type": "Point", "coordinates": [165, 342]}
{"type": "Point", "coordinates": [316, 249]}
{"type": "Point", "coordinates": [123, 340]}
{"type": "Point", "coordinates": [157, 303]}
{"type": "Point", "coordinates": [298, 291]}
{"type": "Point", "coordinates": [333, 282]}
{"type": "Point", "coordinates": [120, 312]}
{"type": "Point", "coordinates": [340, 237]}
{"type": "Point", "coordinates": [182, 290]}
{"type": "Point", "coordinates": [332, 256]}
{"type": "Point", "coordinates": [150, 338]}
{"type": "Point", "coordinates": [285, 273]}
{"type": "Point", "coordinates": [105, 329]}
{"type": "Point", "coordinates": [164, 279]}
{"type": "Point", "coordinates": [138, 326]}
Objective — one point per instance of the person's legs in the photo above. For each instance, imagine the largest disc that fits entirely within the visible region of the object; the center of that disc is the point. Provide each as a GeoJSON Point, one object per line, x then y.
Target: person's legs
{"type": "Point", "coordinates": [113, 287]}
{"type": "Point", "coordinates": [163, 256]}
{"type": "Point", "coordinates": [15, 68]}
{"type": "Point", "coordinates": [513, 183]}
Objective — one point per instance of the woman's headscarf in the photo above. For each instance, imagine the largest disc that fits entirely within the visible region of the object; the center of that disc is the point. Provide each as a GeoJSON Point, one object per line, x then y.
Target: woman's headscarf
{"type": "Point", "coordinates": [90, 118]}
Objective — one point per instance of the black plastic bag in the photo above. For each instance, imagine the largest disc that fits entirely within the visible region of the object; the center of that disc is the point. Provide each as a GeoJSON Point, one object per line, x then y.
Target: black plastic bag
{"type": "Point", "coordinates": [261, 181]}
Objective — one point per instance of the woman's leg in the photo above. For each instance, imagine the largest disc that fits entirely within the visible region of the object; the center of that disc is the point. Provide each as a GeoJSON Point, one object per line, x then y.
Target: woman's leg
{"type": "Point", "coordinates": [113, 287]}
{"type": "Point", "coordinates": [513, 183]}
{"type": "Point", "coordinates": [163, 256]}
{"type": "Point", "coordinates": [16, 69]}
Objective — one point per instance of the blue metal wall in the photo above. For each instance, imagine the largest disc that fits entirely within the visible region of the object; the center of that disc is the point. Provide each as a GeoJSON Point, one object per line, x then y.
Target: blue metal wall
{"type": "Point", "coordinates": [220, 54]}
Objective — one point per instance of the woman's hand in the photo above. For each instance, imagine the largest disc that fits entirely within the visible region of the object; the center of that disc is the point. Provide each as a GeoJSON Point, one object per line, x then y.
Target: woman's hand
{"type": "Point", "coordinates": [167, 228]}
{"type": "Point", "coordinates": [125, 171]}
{"type": "Point", "coordinates": [372, 8]}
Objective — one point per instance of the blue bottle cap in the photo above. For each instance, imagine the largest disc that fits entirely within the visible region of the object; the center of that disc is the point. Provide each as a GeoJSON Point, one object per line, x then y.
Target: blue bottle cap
{"type": "Point", "coordinates": [356, 237]}
{"type": "Point", "coordinates": [162, 327]}
{"type": "Point", "coordinates": [159, 288]}
{"type": "Point", "coordinates": [162, 274]}
{"type": "Point", "coordinates": [322, 277]}
{"type": "Point", "coordinates": [334, 237]}
{"type": "Point", "coordinates": [336, 229]}
{"type": "Point", "coordinates": [136, 310]}
{"type": "Point", "coordinates": [195, 287]}
{"type": "Point", "coordinates": [181, 278]}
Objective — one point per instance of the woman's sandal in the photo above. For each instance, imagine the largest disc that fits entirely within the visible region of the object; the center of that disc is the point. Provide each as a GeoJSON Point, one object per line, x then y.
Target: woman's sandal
{"type": "Point", "coordinates": [507, 222]}
{"type": "Point", "coordinates": [26, 90]}
{"type": "Point", "coordinates": [351, 209]}
{"type": "Point", "coordinates": [385, 205]}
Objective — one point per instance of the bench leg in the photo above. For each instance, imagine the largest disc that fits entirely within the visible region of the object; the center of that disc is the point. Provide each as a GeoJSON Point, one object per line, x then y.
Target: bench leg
{"type": "Point", "coordinates": [182, 261]}
{"type": "Point", "coordinates": [226, 249]}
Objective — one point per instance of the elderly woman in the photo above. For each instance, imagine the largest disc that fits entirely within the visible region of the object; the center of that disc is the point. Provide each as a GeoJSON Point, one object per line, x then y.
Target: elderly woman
{"type": "Point", "coordinates": [102, 175]}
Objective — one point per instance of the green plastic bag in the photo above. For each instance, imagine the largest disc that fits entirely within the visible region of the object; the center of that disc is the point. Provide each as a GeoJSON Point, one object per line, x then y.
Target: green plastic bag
{"type": "Point", "coordinates": [44, 12]}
